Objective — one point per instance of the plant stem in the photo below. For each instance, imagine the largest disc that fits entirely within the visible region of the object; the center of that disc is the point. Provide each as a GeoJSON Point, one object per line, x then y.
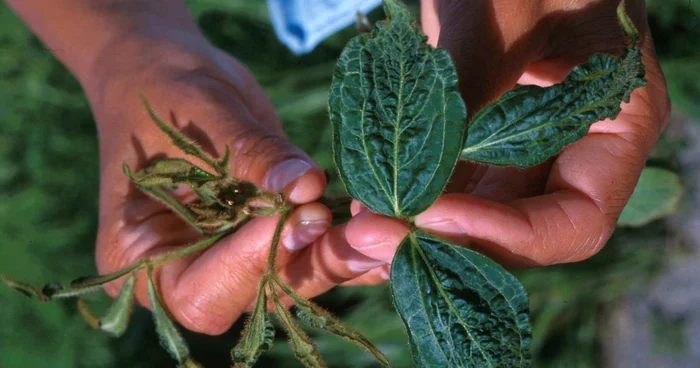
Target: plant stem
{"type": "Point", "coordinates": [272, 258]}
{"type": "Point", "coordinates": [179, 253]}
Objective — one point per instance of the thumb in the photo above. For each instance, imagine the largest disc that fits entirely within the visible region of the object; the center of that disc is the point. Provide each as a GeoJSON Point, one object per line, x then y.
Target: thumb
{"type": "Point", "coordinates": [269, 160]}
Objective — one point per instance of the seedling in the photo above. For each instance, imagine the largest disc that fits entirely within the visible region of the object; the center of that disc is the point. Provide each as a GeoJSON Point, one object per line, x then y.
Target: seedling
{"type": "Point", "coordinates": [398, 132]}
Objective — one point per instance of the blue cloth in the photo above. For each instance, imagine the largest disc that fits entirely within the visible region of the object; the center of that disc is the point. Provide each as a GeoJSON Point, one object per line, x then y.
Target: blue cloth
{"type": "Point", "coordinates": [302, 24]}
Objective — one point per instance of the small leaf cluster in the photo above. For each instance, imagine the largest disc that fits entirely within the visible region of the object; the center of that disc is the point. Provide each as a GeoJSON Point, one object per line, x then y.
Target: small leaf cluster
{"type": "Point", "coordinates": [225, 204]}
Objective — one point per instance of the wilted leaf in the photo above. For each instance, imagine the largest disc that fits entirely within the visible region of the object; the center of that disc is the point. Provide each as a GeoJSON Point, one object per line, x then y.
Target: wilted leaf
{"type": "Point", "coordinates": [23, 287]}
{"type": "Point", "coordinates": [304, 348]}
{"type": "Point", "coordinates": [117, 318]}
{"type": "Point", "coordinates": [398, 118]}
{"type": "Point", "coordinates": [170, 337]}
{"type": "Point", "coordinates": [530, 124]}
{"type": "Point", "coordinates": [161, 195]}
{"type": "Point", "coordinates": [315, 316]}
{"type": "Point", "coordinates": [184, 143]}
{"type": "Point", "coordinates": [258, 335]}
{"type": "Point", "coordinates": [656, 195]}
{"type": "Point", "coordinates": [461, 309]}
{"type": "Point", "coordinates": [172, 171]}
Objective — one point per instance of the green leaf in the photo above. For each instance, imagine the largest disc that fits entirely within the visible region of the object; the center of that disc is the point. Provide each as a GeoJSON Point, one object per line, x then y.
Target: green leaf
{"type": "Point", "coordinates": [172, 171]}
{"type": "Point", "coordinates": [184, 143]}
{"type": "Point", "coordinates": [23, 287]}
{"type": "Point", "coordinates": [530, 124]}
{"type": "Point", "coordinates": [316, 317]}
{"type": "Point", "coordinates": [460, 308]}
{"type": "Point", "coordinates": [397, 115]}
{"type": "Point", "coordinates": [304, 348]}
{"type": "Point", "coordinates": [116, 321]}
{"type": "Point", "coordinates": [656, 195]}
{"type": "Point", "coordinates": [161, 195]}
{"type": "Point", "coordinates": [258, 335]}
{"type": "Point", "coordinates": [170, 337]}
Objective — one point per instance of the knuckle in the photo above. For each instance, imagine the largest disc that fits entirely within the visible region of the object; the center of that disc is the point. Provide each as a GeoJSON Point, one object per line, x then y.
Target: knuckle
{"type": "Point", "coordinates": [591, 239]}
{"type": "Point", "coordinates": [253, 148]}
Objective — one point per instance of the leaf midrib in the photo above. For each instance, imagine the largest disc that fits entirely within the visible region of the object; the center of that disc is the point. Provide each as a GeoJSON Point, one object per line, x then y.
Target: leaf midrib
{"type": "Point", "coordinates": [453, 309]}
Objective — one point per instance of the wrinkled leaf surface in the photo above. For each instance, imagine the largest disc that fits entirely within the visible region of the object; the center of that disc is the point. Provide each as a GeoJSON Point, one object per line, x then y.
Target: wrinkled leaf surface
{"type": "Point", "coordinates": [530, 124]}
{"type": "Point", "coordinates": [398, 118]}
{"type": "Point", "coordinates": [461, 309]}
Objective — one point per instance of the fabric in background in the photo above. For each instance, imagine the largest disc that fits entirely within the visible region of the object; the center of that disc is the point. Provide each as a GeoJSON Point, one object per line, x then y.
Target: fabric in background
{"type": "Point", "coordinates": [302, 24]}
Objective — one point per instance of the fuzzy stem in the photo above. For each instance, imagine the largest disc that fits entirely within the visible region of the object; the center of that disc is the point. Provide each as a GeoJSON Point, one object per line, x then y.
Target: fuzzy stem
{"type": "Point", "coordinates": [272, 258]}
{"type": "Point", "coordinates": [179, 253]}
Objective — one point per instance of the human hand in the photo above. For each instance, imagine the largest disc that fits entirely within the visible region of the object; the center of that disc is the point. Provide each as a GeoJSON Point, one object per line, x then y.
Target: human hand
{"type": "Point", "coordinates": [213, 99]}
{"type": "Point", "coordinates": [561, 211]}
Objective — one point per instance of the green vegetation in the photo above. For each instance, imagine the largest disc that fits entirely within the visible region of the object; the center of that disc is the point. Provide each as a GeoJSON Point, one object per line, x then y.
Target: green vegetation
{"type": "Point", "coordinates": [48, 204]}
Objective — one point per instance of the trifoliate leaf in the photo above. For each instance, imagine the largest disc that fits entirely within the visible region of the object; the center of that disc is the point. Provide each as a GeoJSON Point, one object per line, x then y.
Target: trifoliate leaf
{"type": "Point", "coordinates": [398, 118]}
{"type": "Point", "coordinates": [530, 124]}
{"type": "Point", "coordinates": [460, 308]}
{"type": "Point", "coordinates": [656, 195]}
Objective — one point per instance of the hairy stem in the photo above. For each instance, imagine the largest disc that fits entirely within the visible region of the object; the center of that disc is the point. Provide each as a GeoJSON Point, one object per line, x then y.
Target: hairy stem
{"type": "Point", "coordinates": [272, 258]}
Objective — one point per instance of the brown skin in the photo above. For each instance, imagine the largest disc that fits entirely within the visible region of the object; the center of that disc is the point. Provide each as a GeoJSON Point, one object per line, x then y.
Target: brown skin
{"type": "Point", "coordinates": [563, 211]}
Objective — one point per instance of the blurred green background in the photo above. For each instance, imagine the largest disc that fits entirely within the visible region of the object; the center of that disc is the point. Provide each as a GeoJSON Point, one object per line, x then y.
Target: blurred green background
{"type": "Point", "coordinates": [48, 206]}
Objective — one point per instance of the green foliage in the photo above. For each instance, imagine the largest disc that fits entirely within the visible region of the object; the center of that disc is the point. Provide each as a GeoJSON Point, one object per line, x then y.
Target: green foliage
{"type": "Point", "coordinates": [530, 124]}
{"type": "Point", "coordinates": [396, 155]}
{"type": "Point", "coordinates": [461, 308]}
{"type": "Point", "coordinates": [397, 115]}
{"type": "Point", "coordinates": [656, 195]}
{"type": "Point", "coordinates": [48, 206]}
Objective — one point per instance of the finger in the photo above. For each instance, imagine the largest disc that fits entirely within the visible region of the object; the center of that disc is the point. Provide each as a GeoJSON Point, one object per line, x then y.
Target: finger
{"type": "Point", "coordinates": [374, 277]}
{"type": "Point", "coordinates": [206, 293]}
{"type": "Point", "coordinates": [356, 207]}
{"type": "Point", "coordinates": [375, 236]}
{"type": "Point", "coordinates": [330, 261]}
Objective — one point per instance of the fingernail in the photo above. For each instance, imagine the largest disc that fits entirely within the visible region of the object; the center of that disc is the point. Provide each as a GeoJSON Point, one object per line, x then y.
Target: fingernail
{"type": "Point", "coordinates": [305, 233]}
{"type": "Point", "coordinates": [447, 227]}
{"type": "Point", "coordinates": [364, 265]}
{"type": "Point", "coordinates": [385, 275]}
{"type": "Point", "coordinates": [286, 172]}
